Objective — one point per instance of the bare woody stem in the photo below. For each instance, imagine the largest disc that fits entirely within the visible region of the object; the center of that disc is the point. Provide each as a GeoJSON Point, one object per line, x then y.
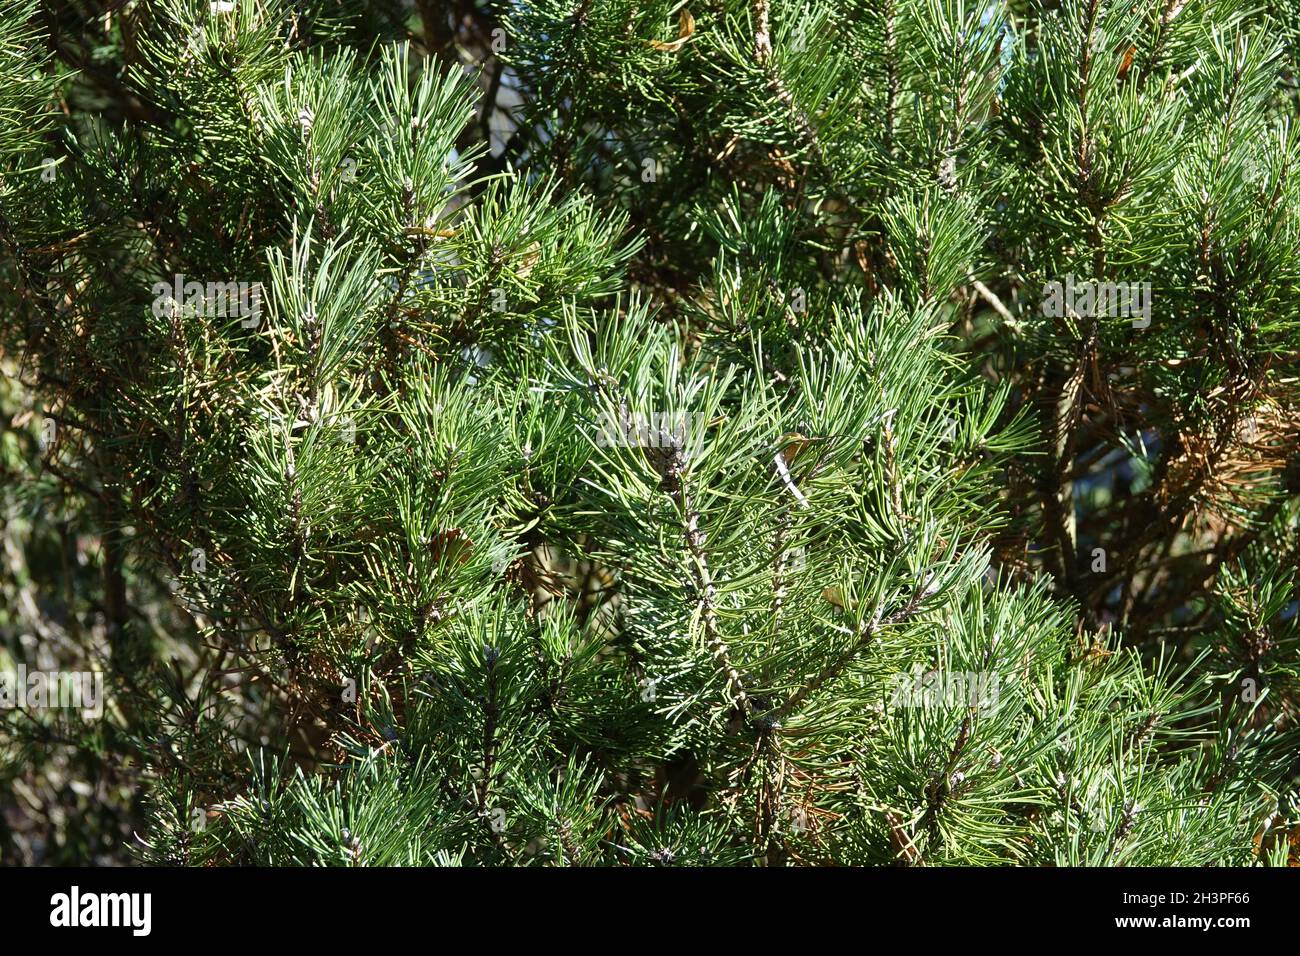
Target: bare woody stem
{"type": "Point", "coordinates": [762, 32]}
{"type": "Point", "coordinates": [706, 592]}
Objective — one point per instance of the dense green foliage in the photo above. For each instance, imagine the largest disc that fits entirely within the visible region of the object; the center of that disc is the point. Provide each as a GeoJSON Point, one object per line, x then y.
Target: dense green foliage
{"type": "Point", "coordinates": [652, 433]}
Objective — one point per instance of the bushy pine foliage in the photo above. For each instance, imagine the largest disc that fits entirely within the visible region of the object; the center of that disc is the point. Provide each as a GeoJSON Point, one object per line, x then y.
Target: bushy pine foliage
{"type": "Point", "coordinates": [709, 432]}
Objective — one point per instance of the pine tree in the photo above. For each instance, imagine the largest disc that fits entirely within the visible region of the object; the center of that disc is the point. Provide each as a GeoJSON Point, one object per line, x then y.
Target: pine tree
{"type": "Point", "coordinates": [707, 432]}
